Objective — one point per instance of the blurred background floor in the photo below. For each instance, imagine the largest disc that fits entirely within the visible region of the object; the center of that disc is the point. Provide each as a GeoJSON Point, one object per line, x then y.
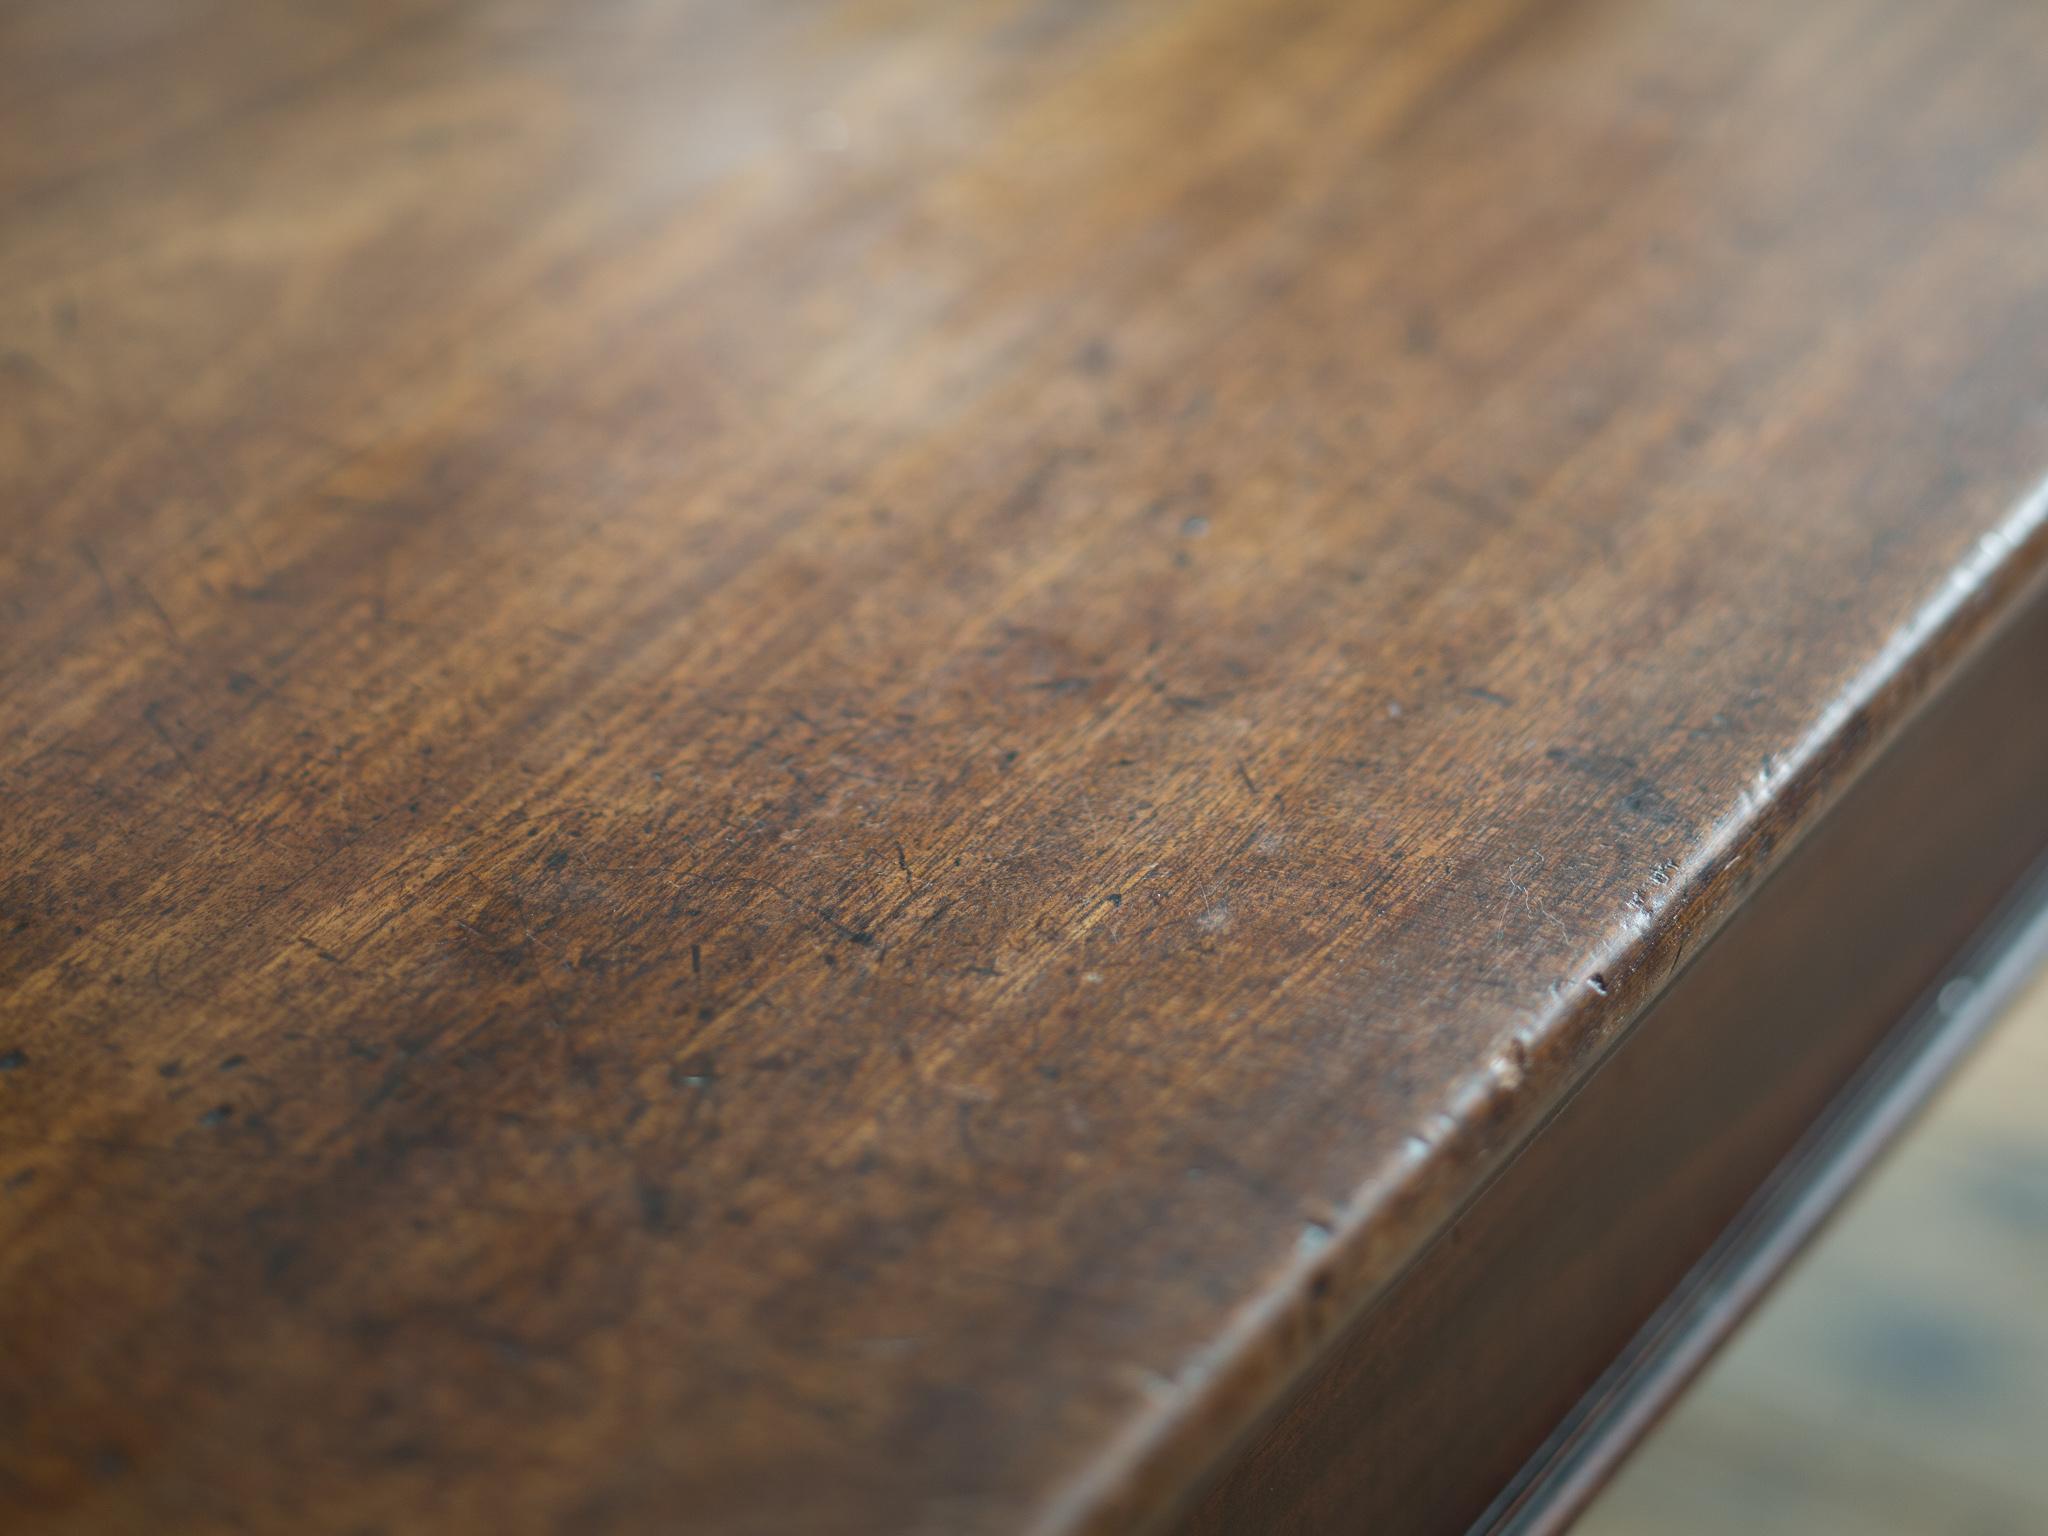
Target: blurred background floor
{"type": "Point", "coordinates": [1897, 1380]}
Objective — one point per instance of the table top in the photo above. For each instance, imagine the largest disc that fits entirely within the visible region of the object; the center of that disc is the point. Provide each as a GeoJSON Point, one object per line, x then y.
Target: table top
{"type": "Point", "coordinates": [818, 768]}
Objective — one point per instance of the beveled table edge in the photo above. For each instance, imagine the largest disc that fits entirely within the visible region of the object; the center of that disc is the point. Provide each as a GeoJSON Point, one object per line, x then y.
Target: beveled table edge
{"type": "Point", "coordinates": [1145, 1476]}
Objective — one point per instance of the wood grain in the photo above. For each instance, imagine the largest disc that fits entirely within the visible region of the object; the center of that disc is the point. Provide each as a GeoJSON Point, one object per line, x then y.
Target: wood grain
{"type": "Point", "coordinates": [824, 768]}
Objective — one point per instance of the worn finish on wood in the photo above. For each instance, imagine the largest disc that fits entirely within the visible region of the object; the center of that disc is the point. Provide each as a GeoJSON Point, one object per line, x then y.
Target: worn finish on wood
{"type": "Point", "coordinates": [1428, 1404]}
{"type": "Point", "coordinates": [823, 768]}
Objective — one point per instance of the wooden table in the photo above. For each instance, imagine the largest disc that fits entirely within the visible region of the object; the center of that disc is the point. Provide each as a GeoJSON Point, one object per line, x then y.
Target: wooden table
{"type": "Point", "coordinates": [894, 767]}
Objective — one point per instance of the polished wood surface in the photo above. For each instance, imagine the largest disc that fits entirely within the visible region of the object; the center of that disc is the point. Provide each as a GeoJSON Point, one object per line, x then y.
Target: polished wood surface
{"type": "Point", "coordinates": [829, 768]}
